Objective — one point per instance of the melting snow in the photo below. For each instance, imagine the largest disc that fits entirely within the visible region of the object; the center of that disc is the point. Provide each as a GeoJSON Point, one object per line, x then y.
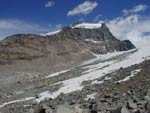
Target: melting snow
{"type": "Point", "coordinates": [106, 56]}
{"type": "Point", "coordinates": [15, 101]}
{"type": "Point", "coordinates": [43, 96]}
{"type": "Point", "coordinates": [58, 73]}
{"type": "Point", "coordinates": [90, 96]}
{"type": "Point", "coordinates": [100, 82]}
{"type": "Point", "coordinates": [133, 73]}
{"type": "Point", "coordinates": [97, 82]}
{"type": "Point", "coordinates": [147, 58]}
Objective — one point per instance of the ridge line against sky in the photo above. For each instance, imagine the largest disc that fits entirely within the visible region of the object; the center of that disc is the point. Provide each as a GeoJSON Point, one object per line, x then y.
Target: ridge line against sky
{"type": "Point", "coordinates": [126, 19]}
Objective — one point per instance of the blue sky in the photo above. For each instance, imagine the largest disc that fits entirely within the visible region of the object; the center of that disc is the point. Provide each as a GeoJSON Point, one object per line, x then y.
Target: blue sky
{"type": "Point", "coordinates": [34, 11]}
{"type": "Point", "coordinates": [41, 16]}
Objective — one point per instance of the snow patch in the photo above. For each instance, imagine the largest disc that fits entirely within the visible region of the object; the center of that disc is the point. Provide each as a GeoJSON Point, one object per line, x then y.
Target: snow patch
{"type": "Point", "coordinates": [106, 56]}
{"type": "Point", "coordinates": [93, 41]}
{"type": "Point", "coordinates": [133, 73]}
{"type": "Point", "coordinates": [100, 82]}
{"type": "Point", "coordinates": [15, 101]}
{"type": "Point", "coordinates": [95, 67]}
{"type": "Point", "coordinates": [88, 25]}
{"type": "Point", "coordinates": [43, 96]}
{"type": "Point", "coordinates": [147, 58]}
{"type": "Point", "coordinates": [68, 86]}
{"type": "Point", "coordinates": [97, 82]}
{"type": "Point", "coordinates": [58, 73]}
{"type": "Point", "coordinates": [91, 96]}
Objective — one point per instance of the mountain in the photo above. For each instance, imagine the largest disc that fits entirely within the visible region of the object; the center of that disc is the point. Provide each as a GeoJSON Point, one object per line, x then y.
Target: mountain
{"type": "Point", "coordinates": [82, 68]}
{"type": "Point", "coordinates": [73, 44]}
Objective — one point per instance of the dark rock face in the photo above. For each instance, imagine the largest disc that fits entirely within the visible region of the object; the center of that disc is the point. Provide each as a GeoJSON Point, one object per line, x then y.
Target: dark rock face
{"type": "Point", "coordinates": [70, 45]}
{"type": "Point", "coordinates": [126, 45]}
{"type": "Point", "coordinates": [99, 40]}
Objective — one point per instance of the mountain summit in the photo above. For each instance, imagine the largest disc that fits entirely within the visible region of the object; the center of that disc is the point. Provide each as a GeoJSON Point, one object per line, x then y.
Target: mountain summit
{"type": "Point", "coordinates": [96, 37]}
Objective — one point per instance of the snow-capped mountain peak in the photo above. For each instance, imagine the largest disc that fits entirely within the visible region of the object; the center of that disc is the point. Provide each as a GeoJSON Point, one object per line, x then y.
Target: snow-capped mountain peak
{"type": "Point", "coordinates": [77, 25]}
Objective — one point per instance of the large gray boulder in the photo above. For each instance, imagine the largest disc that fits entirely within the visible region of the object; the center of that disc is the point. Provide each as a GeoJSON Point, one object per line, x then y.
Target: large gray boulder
{"type": "Point", "coordinates": [131, 105]}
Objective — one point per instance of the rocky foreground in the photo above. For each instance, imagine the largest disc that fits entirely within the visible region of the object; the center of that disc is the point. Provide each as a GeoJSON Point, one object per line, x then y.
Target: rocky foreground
{"type": "Point", "coordinates": [125, 90]}
{"type": "Point", "coordinates": [132, 96]}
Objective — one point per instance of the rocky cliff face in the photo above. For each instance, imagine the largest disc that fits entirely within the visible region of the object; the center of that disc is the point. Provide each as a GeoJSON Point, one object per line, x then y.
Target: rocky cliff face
{"type": "Point", "coordinates": [98, 40]}
{"type": "Point", "coordinates": [72, 44]}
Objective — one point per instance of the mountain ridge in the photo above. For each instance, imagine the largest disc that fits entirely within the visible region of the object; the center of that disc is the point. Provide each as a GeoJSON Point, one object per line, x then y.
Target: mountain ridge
{"type": "Point", "coordinates": [70, 45]}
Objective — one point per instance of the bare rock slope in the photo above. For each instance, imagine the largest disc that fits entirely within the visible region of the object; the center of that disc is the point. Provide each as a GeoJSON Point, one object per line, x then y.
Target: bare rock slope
{"type": "Point", "coordinates": [69, 46]}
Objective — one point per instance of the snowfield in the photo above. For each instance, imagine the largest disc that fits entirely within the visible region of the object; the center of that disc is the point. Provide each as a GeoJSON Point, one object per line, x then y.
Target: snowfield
{"type": "Point", "coordinates": [92, 70]}
{"type": "Point", "coordinates": [104, 66]}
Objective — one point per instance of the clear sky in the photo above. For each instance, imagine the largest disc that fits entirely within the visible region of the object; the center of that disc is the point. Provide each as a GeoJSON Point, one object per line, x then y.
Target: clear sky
{"type": "Point", "coordinates": [41, 16]}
